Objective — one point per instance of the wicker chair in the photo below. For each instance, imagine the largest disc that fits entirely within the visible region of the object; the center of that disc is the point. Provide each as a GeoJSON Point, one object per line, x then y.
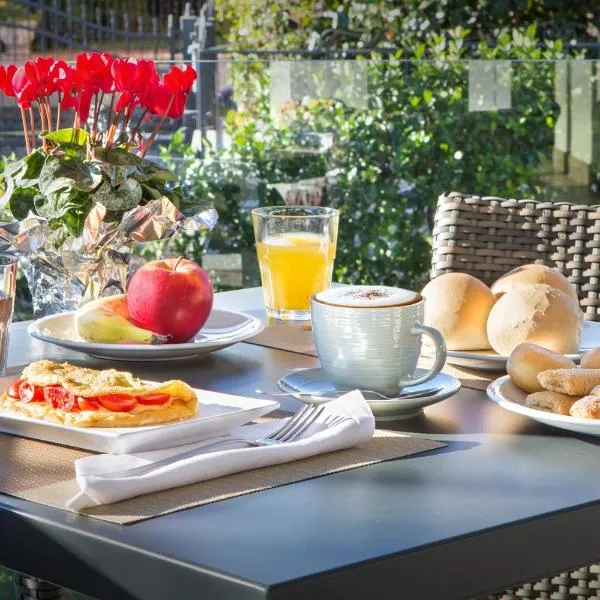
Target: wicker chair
{"type": "Point", "coordinates": [487, 236]}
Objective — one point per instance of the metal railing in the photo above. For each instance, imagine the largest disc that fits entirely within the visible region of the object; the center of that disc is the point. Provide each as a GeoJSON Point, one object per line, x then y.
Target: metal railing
{"type": "Point", "coordinates": [144, 27]}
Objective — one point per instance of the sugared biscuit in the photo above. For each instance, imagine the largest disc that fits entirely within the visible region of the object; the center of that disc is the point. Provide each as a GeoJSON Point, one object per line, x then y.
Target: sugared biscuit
{"type": "Point", "coordinates": [573, 382]}
{"type": "Point", "coordinates": [586, 408]}
{"type": "Point", "coordinates": [551, 402]}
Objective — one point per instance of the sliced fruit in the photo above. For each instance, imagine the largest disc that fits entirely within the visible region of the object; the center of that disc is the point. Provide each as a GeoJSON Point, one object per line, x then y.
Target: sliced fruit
{"type": "Point", "coordinates": [59, 397]}
{"type": "Point", "coordinates": [152, 399]}
{"type": "Point", "coordinates": [30, 393]}
{"type": "Point", "coordinates": [13, 390]}
{"type": "Point", "coordinates": [117, 402]}
{"type": "Point", "coordinates": [87, 403]}
{"type": "Point", "coordinates": [106, 321]}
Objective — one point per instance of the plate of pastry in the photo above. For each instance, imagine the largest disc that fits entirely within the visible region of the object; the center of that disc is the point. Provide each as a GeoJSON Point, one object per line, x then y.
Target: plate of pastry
{"type": "Point", "coordinates": [550, 388]}
{"type": "Point", "coordinates": [482, 325]}
{"type": "Point", "coordinates": [114, 412]}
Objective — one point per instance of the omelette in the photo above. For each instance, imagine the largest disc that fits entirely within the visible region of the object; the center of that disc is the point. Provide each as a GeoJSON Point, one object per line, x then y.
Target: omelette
{"type": "Point", "coordinates": [83, 397]}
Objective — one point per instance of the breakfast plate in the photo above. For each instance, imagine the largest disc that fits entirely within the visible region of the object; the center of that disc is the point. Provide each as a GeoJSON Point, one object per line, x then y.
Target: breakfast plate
{"type": "Point", "coordinates": [488, 360]}
{"type": "Point", "coordinates": [223, 328]}
{"type": "Point", "coordinates": [313, 382]}
{"type": "Point", "coordinates": [218, 414]}
{"type": "Point", "coordinates": [507, 395]}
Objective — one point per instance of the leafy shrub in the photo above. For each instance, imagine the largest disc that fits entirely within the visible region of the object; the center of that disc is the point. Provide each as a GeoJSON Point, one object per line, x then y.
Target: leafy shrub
{"type": "Point", "coordinates": [388, 161]}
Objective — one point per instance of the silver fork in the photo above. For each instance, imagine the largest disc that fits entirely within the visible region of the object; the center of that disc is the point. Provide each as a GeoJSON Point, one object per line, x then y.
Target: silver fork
{"type": "Point", "coordinates": [291, 431]}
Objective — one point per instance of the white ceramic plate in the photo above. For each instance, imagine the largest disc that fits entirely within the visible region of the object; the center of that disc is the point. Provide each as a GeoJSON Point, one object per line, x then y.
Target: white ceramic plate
{"type": "Point", "coordinates": [315, 383]}
{"type": "Point", "coordinates": [505, 393]}
{"type": "Point", "coordinates": [223, 328]}
{"type": "Point", "coordinates": [218, 414]}
{"type": "Point", "coordinates": [488, 360]}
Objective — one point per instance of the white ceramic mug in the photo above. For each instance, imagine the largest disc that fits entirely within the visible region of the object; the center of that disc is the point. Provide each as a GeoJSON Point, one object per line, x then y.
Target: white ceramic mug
{"type": "Point", "coordinates": [372, 344]}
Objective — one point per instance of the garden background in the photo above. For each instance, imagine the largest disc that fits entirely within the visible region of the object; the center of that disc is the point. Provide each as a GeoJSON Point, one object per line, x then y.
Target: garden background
{"type": "Point", "coordinates": [387, 123]}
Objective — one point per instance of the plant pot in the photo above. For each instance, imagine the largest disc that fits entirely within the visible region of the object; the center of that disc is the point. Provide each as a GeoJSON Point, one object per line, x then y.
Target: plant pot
{"type": "Point", "coordinates": [17, 37]}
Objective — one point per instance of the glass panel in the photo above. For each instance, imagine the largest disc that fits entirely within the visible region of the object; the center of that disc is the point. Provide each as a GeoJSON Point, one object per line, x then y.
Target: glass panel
{"type": "Point", "coordinates": [379, 139]}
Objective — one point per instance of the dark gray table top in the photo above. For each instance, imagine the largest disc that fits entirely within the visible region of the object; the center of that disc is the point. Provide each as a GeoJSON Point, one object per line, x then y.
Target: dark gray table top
{"type": "Point", "coordinates": [507, 501]}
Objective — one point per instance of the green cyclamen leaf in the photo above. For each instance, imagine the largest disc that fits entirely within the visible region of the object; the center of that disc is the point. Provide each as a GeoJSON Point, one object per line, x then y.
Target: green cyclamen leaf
{"type": "Point", "coordinates": [69, 136]}
{"type": "Point", "coordinates": [158, 175]}
{"type": "Point", "coordinates": [13, 168]}
{"type": "Point", "coordinates": [66, 172]}
{"type": "Point", "coordinates": [29, 177]}
{"type": "Point", "coordinates": [150, 193]}
{"type": "Point", "coordinates": [122, 198]}
{"type": "Point", "coordinates": [117, 174]}
{"type": "Point", "coordinates": [123, 158]}
{"type": "Point", "coordinates": [56, 205]}
{"type": "Point", "coordinates": [176, 197]}
{"type": "Point", "coordinates": [22, 201]}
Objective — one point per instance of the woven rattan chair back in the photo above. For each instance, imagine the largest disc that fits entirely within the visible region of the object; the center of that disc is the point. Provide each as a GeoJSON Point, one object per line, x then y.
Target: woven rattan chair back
{"type": "Point", "coordinates": [486, 236]}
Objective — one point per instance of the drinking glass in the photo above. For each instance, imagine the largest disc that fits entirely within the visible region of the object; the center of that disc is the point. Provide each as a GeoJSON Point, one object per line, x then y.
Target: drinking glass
{"type": "Point", "coordinates": [8, 283]}
{"type": "Point", "coordinates": [296, 248]}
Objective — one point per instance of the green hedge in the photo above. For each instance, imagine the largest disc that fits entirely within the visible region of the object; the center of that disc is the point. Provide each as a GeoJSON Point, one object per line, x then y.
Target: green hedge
{"type": "Point", "coordinates": [388, 162]}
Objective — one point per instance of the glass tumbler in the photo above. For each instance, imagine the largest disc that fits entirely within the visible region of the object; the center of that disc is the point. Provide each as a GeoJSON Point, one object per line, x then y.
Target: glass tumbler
{"type": "Point", "coordinates": [296, 249]}
{"type": "Point", "coordinates": [8, 284]}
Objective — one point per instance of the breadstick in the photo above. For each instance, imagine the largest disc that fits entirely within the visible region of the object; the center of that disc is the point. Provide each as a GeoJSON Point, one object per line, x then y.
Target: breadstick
{"type": "Point", "coordinates": [551, 402]}
{"type": "Point", "coordinates": [586, 408]}
{"type": "Point", "coordinates": [573, 382]}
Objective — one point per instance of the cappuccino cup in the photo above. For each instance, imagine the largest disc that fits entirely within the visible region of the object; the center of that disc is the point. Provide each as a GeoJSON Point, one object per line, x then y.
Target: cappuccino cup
{"type": "Point", "coordinates": [369, 337]}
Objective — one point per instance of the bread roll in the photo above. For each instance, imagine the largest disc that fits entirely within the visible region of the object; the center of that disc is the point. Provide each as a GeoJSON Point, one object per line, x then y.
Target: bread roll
{"type": "Point", "coordinates": [573, 382]}
{"type": "Point", "coordinates": [538, 314]}
{"type": "Point", "coordinates": [591, 359]}
{"type": "Point", "coordinates": [551, 402]}
{"type": "Point", "coordinates": [586, 408]}
{"type": "Point", "coordinates": [526, 361]}
{"type": "Point", "coordinates": [529, 274]}
{"type": "Point", "coordinates": [458, 305]}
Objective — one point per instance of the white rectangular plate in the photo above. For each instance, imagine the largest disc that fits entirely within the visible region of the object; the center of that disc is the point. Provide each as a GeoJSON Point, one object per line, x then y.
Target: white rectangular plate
{"type": "Point", "coordinates": [218, 414]}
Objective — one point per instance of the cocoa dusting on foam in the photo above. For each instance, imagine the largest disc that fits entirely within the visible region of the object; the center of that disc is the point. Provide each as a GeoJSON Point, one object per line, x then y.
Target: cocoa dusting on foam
{"type": "Point", "coordinates": [368, 294]}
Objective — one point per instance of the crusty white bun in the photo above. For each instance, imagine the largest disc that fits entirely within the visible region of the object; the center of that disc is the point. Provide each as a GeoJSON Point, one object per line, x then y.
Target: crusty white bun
{"type": "Point", "coordinates": [538, 314]}
{"type": "Point", "coordinates": [458, 305]}
{"type": "Point", "coordinates": [527, 360]}
{"type": "Point", "coordinates": [528, 274]}
{"type": "Point", "coordinates": [591, 359]}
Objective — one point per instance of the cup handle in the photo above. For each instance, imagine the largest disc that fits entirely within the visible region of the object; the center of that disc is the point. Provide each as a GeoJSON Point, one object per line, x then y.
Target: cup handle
{"type": "Point", "coordinates": [440, 355]}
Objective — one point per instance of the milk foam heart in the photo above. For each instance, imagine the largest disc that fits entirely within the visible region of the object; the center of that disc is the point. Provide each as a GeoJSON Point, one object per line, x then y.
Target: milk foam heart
{"type": "Point", "coordinates": [366, 296]}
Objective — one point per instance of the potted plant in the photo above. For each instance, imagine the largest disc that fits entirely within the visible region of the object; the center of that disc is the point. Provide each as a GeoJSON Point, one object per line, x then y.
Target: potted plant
{"type": "Point", "coordinates": [85, 191]}
{"type": "Point", "coordinates": [17, 28]}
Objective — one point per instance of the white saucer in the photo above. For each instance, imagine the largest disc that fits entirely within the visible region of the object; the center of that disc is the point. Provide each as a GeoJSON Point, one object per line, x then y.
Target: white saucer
{"type": "Point", "coordinates": [488, 360]}
{"type": "Point", "coordinates": [314, 382]}
{"type": "Point", "coordinates": [506, 394]}
{"type": "Point", "coordinates": [223, 328]}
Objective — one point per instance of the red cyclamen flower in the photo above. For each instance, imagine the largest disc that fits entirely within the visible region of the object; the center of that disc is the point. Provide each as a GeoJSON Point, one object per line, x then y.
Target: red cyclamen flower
{"type": "Point", "coordinates": [133, 78]}
{"type": "Point", "coordinates": [170, 96]}
{"type": "Point", "coordinates": [6, 75]}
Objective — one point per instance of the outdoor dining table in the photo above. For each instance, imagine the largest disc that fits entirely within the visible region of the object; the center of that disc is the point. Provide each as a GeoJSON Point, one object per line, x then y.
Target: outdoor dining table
{"type": "Point", "coordinates": [506, 501]}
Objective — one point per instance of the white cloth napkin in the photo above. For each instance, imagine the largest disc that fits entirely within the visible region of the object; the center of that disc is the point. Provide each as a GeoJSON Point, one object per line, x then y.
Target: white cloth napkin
{"type": "Point", "coordinates": [319, 439]}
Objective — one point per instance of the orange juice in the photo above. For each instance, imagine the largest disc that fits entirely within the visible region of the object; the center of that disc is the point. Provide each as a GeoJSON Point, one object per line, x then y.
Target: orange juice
{"type": "Point", "coordinates": [293, 267]}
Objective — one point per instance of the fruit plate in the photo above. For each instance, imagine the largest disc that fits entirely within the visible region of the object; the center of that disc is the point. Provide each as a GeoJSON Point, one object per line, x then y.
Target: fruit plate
{"type": "Point", "coordinates": [507, 395]}
{"type": "Point", "coordinates": [223, 328]}
{"type": "Point", "coordinates": [218, 414]}
{"type": "Point", "coordinates": [488, 360]}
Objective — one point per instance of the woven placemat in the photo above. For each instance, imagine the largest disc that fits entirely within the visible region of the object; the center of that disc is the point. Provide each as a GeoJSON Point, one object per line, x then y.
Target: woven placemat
{"type": "Point", "coordinates": [44, 473]}
{"type": "Point", "coordinates": [297, 337]}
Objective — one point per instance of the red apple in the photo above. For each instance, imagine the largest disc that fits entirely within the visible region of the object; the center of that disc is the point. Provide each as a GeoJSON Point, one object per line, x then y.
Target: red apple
{"type": "Point", "coordinates": [172, 297]}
